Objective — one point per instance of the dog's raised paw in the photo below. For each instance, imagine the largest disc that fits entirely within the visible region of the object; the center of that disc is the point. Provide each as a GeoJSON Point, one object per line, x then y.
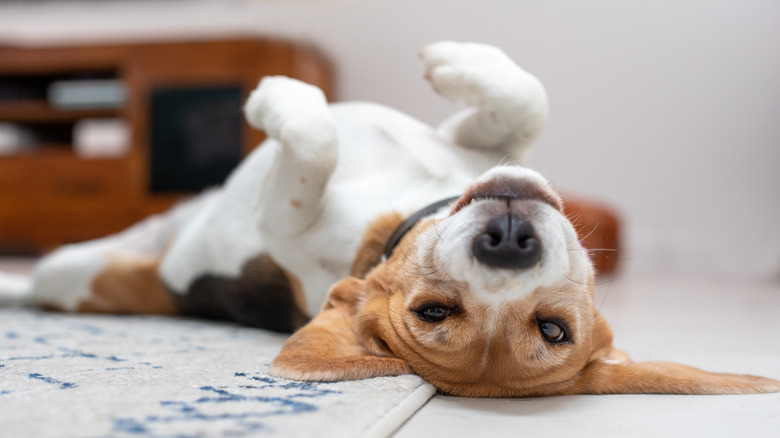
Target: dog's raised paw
{"type": "Point", "coordinates": [278, 101]}
{"type": "Point", "coordinates": [472, 72]}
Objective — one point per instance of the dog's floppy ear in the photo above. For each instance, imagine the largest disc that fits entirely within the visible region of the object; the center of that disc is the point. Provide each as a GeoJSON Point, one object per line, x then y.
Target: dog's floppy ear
{"type": "Point", "coordinates": [610, 371]}
{"type": "Point", "coordinates": [335, 345]}
{"type": "Point", "coordinates": [606, 377]}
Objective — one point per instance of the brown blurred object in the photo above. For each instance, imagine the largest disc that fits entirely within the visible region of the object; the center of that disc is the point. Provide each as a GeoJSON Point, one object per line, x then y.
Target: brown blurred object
{"type": "Point", "coordinates": [599, 230]}
{"type": "Point", "coordinates": [49, 195]}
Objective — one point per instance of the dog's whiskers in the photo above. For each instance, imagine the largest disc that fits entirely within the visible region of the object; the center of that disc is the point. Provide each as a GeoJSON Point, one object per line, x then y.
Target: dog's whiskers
{"type": "Point", "coordinates": [575, 220]}
{"type": "Point", "coordinates": [591, 232]}
{"type": "Point", "coordinates": [508, 163]}
{"type": "Point", "coordinates": [564, 197]}
{"type": "Point", "coordinates": [595, 249]}
{"type": "Point", "coordinates": [604, 298]}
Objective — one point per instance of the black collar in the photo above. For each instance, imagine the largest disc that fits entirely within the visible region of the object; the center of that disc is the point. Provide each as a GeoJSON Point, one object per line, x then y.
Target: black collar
{"type": "Point", "coordinates": [410, 222]}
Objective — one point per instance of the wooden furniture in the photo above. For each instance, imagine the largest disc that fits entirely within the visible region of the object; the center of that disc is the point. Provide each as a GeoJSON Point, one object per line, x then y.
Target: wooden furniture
{"type": "Point", "coordinates": [599, 228]}
{"type": "Point", "coordinates": [50, 196]}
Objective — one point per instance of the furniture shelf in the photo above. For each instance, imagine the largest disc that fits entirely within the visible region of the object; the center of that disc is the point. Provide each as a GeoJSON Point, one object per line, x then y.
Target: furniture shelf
{"type": "Point", "coordinates": [42, 111]}
{"type": "Point", "coordinates": [50, 196]}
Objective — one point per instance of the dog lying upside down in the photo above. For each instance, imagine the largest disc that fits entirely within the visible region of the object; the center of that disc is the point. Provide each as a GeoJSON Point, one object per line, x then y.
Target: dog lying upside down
{"type": "Point", "coordinates": [409, 257]}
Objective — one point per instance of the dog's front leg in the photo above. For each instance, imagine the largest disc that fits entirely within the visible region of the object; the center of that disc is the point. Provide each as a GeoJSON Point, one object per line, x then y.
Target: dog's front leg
{"type": "Point", "coordinates": [508, 105]}
{"type": "Point", "coordinates": [296, 115]}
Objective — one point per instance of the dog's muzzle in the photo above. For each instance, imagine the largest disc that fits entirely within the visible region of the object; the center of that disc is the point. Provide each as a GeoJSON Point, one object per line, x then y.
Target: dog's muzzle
{"type": "Point", "coordinates": [508, 242]}
{"type": "Point", "coordinates": [508, 239]}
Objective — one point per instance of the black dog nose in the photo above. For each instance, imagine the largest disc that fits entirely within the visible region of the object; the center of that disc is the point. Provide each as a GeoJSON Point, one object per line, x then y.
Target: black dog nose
{"type": "Point", "coordinates": [508, 242]}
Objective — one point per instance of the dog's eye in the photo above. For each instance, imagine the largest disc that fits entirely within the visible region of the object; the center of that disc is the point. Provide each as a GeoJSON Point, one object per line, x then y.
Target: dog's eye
{"type": "Point", "coordinates": [554, 332]}
{"type": "Point", "coordinates": [433, 313]}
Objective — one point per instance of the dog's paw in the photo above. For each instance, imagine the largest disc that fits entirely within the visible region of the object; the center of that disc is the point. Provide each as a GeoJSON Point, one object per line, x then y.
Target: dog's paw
{"type": "Point", "coordinates": [475, 73]}
{"type": "Point", "coordinates": [280, 102]}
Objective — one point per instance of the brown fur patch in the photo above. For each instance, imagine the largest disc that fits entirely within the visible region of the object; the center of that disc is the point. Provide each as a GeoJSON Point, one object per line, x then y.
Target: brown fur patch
{"type": "Point", "coordinates": [129, 285]}
{"type": "Point", "coordinates": [264, 295]}
{"type": "Point", "coordinates": [372, 245]}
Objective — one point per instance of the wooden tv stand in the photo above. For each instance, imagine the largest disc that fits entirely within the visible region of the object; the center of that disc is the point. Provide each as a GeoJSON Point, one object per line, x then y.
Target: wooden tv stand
{"type": "Point", "coordinates": [50, 196]}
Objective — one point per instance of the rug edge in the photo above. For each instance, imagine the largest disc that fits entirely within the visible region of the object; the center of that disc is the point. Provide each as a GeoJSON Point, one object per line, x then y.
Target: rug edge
{"type": "Point", "coordinates": [388, 424]}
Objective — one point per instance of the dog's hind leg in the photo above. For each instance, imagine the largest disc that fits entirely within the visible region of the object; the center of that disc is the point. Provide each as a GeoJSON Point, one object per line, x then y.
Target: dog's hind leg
{"type": "Point", "coordinates": [296, 115]}
{"type": "Point", "coordinates": [508, 105]}
{"type": "Point", "coordinates": [116, 274]}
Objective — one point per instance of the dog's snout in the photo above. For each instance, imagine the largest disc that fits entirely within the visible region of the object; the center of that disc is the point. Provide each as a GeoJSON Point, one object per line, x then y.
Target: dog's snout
{"type": "Point", "coordinates": [508, 242]}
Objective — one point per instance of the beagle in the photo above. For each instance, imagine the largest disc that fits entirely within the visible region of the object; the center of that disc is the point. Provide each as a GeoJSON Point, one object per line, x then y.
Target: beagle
{"type": "Point", "coordinates": [388, 247]}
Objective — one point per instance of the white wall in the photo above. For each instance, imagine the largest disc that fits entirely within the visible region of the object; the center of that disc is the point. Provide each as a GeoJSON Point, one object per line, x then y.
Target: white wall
{"type": "Point", "coordinates": [667, 109]}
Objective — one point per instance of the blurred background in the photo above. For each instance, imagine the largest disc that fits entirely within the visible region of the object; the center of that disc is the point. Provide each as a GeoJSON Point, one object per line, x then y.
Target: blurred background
{"type": "Point", "coordinates": [666, 111]}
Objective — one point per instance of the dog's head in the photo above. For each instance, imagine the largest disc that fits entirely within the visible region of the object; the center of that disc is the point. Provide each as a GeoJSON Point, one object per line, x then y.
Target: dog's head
{"type": "Point", "coordinates": [495, 299]}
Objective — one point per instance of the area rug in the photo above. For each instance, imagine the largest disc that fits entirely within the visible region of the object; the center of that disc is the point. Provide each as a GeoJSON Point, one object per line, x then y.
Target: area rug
{"type": "Point", "coordinates": [107, 376]}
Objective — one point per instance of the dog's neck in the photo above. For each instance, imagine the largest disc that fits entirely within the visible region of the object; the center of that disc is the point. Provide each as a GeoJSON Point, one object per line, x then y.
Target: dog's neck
{"type": "Point", "coordinates": [385, 233]}
{"type": "Point", "coordinates": [411, 221]}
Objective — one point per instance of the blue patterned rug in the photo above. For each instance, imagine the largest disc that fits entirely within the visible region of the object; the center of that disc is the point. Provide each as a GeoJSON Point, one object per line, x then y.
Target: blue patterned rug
{"type": "Point", "coordinates": [108, 376]}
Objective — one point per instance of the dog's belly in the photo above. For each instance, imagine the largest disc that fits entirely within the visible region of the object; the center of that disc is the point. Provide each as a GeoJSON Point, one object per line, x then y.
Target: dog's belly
{"type": "Point", "coordinates": [388, 162]}
{"type": "Point", "coordinates": [222, 236]}
{"type": "Point", "coordinates": [263, 296]}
